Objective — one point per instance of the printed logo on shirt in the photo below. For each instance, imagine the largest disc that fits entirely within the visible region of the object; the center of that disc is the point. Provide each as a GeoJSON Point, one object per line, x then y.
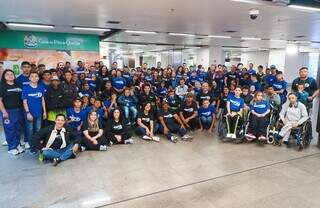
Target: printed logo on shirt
{"type": "Point", "coordinates": [118, 127]}
{"type": "Point", "coordinates": [236, 103]}
{"type": "Point", "coordinates": [277, 86]}
{"type": "Point", "coordinates": [119, 82]}
{"type": "Point", "coordinates": [259, 105]}
{"type": "Point", "coordinates": [188, 110]}
{"type": "Point", "coordinates": [205, 97]}
{"type": "Point", "coordinates": [74, 118]}
{"type": "Point", "coordinates": [208, 113]}
{"type": "Point", "coordinates": [168, 116]}
{"type": "Point", "coordinates": [14, 90]}
{"type": "Point", "coordinates": [35, 95]}
{"type": "Point", "coordinates": [146, 119]}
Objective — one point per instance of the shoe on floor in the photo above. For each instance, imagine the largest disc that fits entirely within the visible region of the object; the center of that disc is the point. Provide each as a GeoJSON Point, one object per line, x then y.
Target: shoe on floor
{"type": "Point", "coordinates": [186, 137]}
{"type": "Point", "coordinates": [103, 148]}
{"type": "Point", "coordinates": [20, 149]}
{"type": "Point", "coordinates": [262, 138]}
{"type": "Point", "coordinates": [129, 141]}
{"type": "Point", "coordinates": [233, 136]}
{"type": "Point", "coordinates": [22, 142]}
{"type": "Point", "coordinates": [156, 139]}
{"type": "Point", "coordinates": [56, 161]}
{"type": "Point", "coordinates": [145, 137]}
{"type": "Point", "coordinates": [229, 135]}
{"type": "Point", "coordinates": [250, 137]}
{"type": "Point", "coordinates": [4, 143]}
{"type": "Point", "coordinates": [27, 145]}
{"type": "Point", "coordinates": [13, 152]}
{"type": "Point", "coordinates": [300, 147]}
{"type": "Point", "coordinates": [174, 139]}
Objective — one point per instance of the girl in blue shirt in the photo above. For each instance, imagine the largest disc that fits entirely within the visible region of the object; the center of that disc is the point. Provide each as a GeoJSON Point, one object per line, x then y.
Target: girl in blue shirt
{"type": "Point", "coordinates": [235, 105]}
{"type": "Point", "coordinates": [259, 118]}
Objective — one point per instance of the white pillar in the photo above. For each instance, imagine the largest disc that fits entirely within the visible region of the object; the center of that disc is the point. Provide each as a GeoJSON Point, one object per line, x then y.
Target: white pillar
{"type": "Point", "coordinates": [216, 55]}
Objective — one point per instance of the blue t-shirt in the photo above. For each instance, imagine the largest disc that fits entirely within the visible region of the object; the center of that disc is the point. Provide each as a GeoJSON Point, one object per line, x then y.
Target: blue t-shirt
{"type": "Point", "coordinates": [269, 79]}
{"type": "Point", "coordinates": [76, 117]}
{"type": "Point", "coordinates": [235, 103]}
{"type": "Point", "coordinates": [192, 80]}
{"type": "Point", "coordinates": [256, 85]}
{"type": "Point", "coordinates": [207, 112]}
{"type": "Point", "coordinates": [23, 80]}
{"type": "Point", "coordinates": [281, 85]}
{"type": "Point", "coordinates": [118, 83]}
{"type": "Point", "coordinates": [251, 71]}
{"type": "Point", "coordinates": [100, 112]}
{"type": "Point", "coordinates": [34, 99]}
{"type": "Point", "coordinates": [260, 107]}
{"type": "Point", "coordinates": [45, 86]}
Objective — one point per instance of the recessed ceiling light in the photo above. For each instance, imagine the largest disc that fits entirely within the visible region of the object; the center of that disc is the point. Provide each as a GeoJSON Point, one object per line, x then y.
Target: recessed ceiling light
{"type": "Point", "coordinates": [182, 34]}
{"type": "Point", "coordinates": [303, 42]}
{"type": "Point", "coordinates": [30, 25]}
{"type": "Point", "coordinates": [140, 32]}
{"type": "Point", "coordinates": [219, 36]}
{"type": "Point", "coordinates": [250, 38]}
{"type": "Point", "coordinates": [315, 9]}
{"type": "Point", "coordinates": [91, 28]}
{"type": "Point", "coordinates": [292, 49]}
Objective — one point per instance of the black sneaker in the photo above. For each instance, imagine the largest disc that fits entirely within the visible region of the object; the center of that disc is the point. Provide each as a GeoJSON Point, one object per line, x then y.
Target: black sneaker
{"type": "Point", "coordinates": [56, 161]}
{"type": "Point", "coordinates": [287, 143]}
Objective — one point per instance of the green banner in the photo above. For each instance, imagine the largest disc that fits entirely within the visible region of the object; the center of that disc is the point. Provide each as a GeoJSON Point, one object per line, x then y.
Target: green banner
{"type": "Point", "coordinates": [48, 41]}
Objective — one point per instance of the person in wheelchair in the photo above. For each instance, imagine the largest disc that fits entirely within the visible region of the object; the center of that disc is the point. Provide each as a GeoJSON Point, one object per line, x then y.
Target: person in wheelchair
{"type": "Point", "coordinates": [259, 118]}
{"type": "Point", "coordinates": [293, 114]}
{"type": "Point", "coordinates": [234, 116]}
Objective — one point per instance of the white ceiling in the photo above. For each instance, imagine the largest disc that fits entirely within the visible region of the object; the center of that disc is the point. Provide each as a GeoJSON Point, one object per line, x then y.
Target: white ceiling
{"type": "Point", "coordinates": [202, 17]}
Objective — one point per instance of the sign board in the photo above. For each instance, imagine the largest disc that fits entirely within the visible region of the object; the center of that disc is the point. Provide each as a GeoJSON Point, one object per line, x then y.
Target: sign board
{"type": "Point", "coordinates": [48, 41]}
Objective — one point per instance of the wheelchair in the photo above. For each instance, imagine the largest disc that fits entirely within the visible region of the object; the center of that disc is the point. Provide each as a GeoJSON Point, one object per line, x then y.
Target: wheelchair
{"type": "Point", "coordinates": [301, 134]}
{"type": "Point", "coordinates": [272, 129]}
{"type": "Point", "coordinates": [223, 129]}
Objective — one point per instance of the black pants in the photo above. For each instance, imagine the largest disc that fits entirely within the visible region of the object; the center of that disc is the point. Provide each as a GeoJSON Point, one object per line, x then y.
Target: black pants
{"type": "Point", "coordinates": [233, 123]}
{"type": "Point", "coordinates": [194, 124]}
{"type": "Point", "coordinates": [124, 137]}
{"type": "Point", "coordinates": [258, 125]}
{"type": "Point", "coordinates": [90, 146]}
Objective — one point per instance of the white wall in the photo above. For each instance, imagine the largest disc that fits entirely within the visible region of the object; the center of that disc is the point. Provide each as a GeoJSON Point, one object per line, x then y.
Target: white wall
{"type": "Point", "coordinates": [257, 58]}
{"type": "Point", "coordinates": [277, 58]}
{"type": "Point", "coordinates": [293, 62]}
{"type": "Point", "coordinates": [203, 57]}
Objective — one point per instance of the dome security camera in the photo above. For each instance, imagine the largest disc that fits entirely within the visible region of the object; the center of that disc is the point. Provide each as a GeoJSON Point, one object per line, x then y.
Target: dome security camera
{"type": "Point", "coordinates": [254, 13]}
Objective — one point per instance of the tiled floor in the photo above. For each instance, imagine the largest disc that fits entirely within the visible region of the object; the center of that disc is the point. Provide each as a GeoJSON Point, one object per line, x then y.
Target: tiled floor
{"type": "Point", "coordinates": [202, 173]}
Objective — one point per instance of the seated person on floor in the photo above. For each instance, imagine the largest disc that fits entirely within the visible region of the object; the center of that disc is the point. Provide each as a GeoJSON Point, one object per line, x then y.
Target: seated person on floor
{"type": "Point", "coordinates": [189, 113]}
{"type": "Point", "coordinates": [207, 116]}
{"type": "Point", "coordinates": [56, 142]}
{"type": "Point", "coordinates": [147, 126]}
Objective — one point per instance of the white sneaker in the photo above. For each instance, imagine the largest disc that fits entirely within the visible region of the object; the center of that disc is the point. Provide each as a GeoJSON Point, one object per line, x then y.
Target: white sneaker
{"type": "Point", "coordinates": [83, 149]}
{"type": "Point", "coordinates": [145, 137]}
{"type": "Point", "coordinates": [229, 135]}
{"type": "Point", "coordinates": [103, 148]}
{"type": "Point", "coordinates": [4, 143]}
{"type": "Point", "coordinates": [233, 136]}
{"type": "Point", "coordinates": [174, 139]}
{"type": "Point", "coordinates": [186, 137]}
{"type": "Point", "coordinates": [128, 141]}
{"type": "Point", "coordinates": [27, 145]}
{"type": "Point", "coordinates": [156, 139]}
{"type": "Point", "coordinates": [13, 152]}
{"type": "Point", "coordinates": [20, 149]}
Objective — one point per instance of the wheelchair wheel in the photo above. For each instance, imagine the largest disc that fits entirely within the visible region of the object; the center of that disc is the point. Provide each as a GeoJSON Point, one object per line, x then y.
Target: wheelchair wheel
{"type": "Point", "coordinates": [222, 131]}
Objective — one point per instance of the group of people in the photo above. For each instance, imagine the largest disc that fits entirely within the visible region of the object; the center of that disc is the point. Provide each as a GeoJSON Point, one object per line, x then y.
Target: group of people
{"type": "Point", "coordinates": [65, 110]}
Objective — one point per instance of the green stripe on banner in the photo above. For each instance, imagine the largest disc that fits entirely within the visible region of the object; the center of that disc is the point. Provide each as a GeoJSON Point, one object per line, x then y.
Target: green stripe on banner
{"type": "Point", "coordinates": [48, 41]}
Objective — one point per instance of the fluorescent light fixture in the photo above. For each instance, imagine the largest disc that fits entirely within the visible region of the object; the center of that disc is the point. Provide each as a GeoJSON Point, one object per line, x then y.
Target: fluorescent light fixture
{"type": "Point", "coordinates": [91, 28]}
{"type": "Point", "coordinates": [182, 34]}
{"type": "Point", "coordinates": [140, 32]}
{"type": "Point", "coordinates": [246, 1]}
{"type": "Point", "coordinates": [219, 36]}
{"type": "Point", "coordinates": [250, 38]}
{"type": "Point", "coordinates": [303, 42]}
{"type": "Point", "coordinates": [314, 9]}
{"type": "Point", "coordinates": [292, 49]}
{"type": "Point", "coordinates": [12, 24]}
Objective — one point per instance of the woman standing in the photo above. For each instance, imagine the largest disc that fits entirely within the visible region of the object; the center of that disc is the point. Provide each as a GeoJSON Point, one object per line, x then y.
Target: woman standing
{"type": "Point", "coordinates": [11, 110]}
{"type": "Point", "coordinates": [93, 133]}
